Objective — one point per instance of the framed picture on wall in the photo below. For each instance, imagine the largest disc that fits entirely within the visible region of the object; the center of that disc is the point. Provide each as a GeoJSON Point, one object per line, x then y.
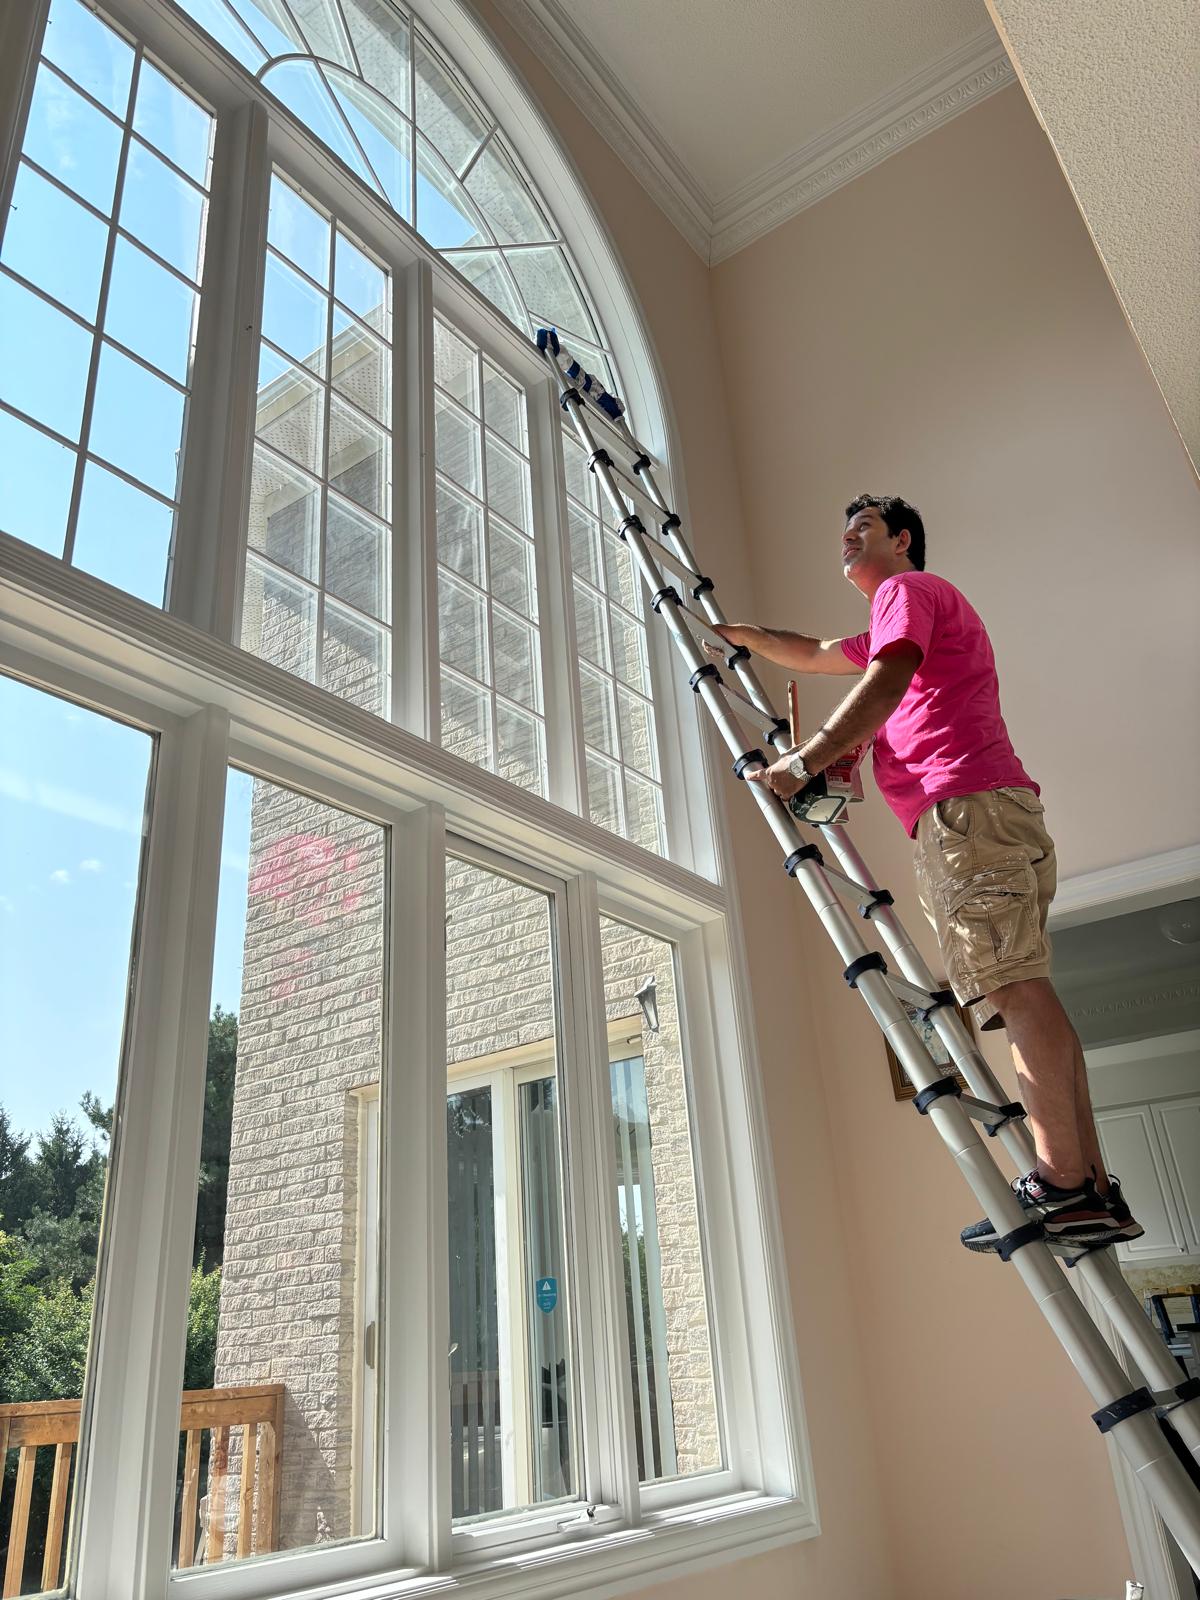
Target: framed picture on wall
{"type": "Point", "coordinates": [903, 1087]}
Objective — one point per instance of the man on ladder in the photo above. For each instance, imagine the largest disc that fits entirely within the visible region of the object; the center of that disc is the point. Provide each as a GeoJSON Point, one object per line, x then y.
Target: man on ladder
{"type": "Point", "coordinates": [984, 862]}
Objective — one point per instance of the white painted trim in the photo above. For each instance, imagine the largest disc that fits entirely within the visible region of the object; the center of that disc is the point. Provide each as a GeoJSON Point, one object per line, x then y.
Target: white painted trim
{"type": "Point", "coordinates": [1127, 886]}
{"type": "Point", "coordinates": [718, 227]}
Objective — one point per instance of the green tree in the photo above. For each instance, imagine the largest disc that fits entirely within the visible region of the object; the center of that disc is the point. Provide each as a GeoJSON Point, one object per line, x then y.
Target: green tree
{"type": "Point", "coordinates": [17, 1197]}
{"type": "Point", "coordinates": [204, 1309]}
{"type": "Point", "coordinates": [219, 1087]}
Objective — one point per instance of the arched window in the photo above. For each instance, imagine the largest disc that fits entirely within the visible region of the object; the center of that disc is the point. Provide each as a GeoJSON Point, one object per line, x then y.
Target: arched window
{"type": "Point", "coordinates": [369, 82]}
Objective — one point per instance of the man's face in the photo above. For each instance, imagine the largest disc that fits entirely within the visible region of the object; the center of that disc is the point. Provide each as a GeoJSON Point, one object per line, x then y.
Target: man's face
{"type": "Point", "coordinates": [865, 540]}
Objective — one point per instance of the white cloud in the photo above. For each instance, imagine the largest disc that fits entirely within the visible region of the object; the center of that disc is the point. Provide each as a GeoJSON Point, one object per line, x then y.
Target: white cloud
{"type": "Point", "coordinates": [6, 905]}
{"type": "Point", "coordinates": [61, 875]}
{"type": "Point", "coordinates": [91, 865]}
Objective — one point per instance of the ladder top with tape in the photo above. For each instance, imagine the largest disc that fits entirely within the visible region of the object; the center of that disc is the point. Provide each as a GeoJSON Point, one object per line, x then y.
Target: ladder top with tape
{"type": "Point", "coordinates": [1155, 1422]}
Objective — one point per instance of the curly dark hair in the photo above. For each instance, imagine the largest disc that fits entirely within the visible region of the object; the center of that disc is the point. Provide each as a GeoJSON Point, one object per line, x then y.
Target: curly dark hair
{"type": "Point", "coordinates": [898, 515]}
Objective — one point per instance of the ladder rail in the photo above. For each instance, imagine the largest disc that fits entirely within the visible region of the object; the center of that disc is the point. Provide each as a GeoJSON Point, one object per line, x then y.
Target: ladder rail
{"type": "Point", "coordinates": [1129, 1416]}
{"type": "Point", "coordinates": [1100, 1270]}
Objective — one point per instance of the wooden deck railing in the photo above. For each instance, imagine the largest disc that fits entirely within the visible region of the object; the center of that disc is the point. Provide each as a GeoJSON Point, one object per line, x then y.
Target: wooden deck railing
{"type": "Point", "coordinates": [207, 1532]}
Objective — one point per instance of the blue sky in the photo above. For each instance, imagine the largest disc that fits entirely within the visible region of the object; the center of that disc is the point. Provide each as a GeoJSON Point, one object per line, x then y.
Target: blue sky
{"type": "Point", "coordinates": [72, 799]}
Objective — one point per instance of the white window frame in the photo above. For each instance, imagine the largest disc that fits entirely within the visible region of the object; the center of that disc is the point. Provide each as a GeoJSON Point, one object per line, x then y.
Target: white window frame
{"type": "Point", "coordinates": [177, 673]}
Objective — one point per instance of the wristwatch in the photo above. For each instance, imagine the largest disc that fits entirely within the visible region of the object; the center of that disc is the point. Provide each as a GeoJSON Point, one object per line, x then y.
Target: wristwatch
{"type": "Point", "coordinates": [798, 770]}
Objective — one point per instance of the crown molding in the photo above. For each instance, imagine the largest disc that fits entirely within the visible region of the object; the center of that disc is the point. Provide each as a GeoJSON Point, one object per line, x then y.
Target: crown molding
{"type": "Point", "coordinates": [555, 39]}
{"type": "Point", "coordinates": [718, 228]}
{"type": "Point", "coordinates": [927, 100]}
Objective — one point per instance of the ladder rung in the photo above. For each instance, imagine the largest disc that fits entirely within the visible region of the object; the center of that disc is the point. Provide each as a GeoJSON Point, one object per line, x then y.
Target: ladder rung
{"type": "Point", "coordinates": [921, 998]}
{"type": "Point", "coordinates": [991, 1116]}
{"type": "Point", "coordinates": [663, 552]}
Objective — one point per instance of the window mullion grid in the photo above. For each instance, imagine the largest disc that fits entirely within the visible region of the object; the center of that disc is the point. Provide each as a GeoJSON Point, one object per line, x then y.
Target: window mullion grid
{"type": "Point", "coordinates": [110, 246]}
{"type": "Point", "coordinates": [209, 551]}
{"type": "Point", "coordinates": [327, 424]}
{"type": "Point", "coordinates": [566, 768]}
{"type": "Point", "coordinates": [416, 694]}
{"type": "Point", "coordinates": [127, 1504]}
{"type": "Point", "coordinates": [609, 1452]}
{"type": "Point", "coordinates": [485, 522]}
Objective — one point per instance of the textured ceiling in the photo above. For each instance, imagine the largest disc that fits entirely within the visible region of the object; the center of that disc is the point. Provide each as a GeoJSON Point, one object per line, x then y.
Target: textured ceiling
{"type": "Point", "coordinates": [1116, 84]}
{"type": "Point", "coordinates": [733, 88]}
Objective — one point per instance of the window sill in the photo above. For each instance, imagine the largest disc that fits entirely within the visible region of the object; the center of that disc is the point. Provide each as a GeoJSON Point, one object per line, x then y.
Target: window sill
{"type": "Point", "coordinates": [594, 1562]}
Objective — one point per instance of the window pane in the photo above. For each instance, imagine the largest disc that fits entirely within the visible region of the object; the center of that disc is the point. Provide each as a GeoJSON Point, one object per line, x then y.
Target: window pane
{"type": "Point", "coordinates": [457, 446]}
{"type": "Point", "coordinates": [637, 733]}
{"type": "Point", "coordinates": [354, 658]}
{"type": "Point", "coordinates": [151, 451]}
{"type": "Point", "coordinates": [507, 482]}
{"type": "Point", "coordinates": [381, 41]}
{"type": "Point", "coordinates": [550, 291]}
{"type": "Point", "coordinates": [384, 135]}
{"type": "Point", "coordinates": [55, 243]}
{"type": "Point", "coordinates": [298, 231]}
{"type": "Point", "coordinates": [36, 475]}
{"type": "Point", "coordinates": [73, 141]}
{"type": "Point", "coordinates": [585, 546]}
{"type": "Point", "coordinates": [285, 514]}
{"type": "Point", "coordinates": [629, 652]}
{"type": "Point", "coordinates": [521, 747]}
{"type": "Point", "coordinates": [361, 286]}
{"type": "Point", "coordinates": [73, 803]}
{"type": "Point", "coordinates": [504, 407]}
{"type": "Point", "coordinates": [43, 360]}
{"type": "Point", "coordinates": [455, 367]}
{"type": "Point", "coordinates": [518, 668]}
{"type": "Point", "coordinates": [590, 634]}
{"type": "Point", "coordinates": [286, 1237]}
{"type": "Point", "coordinates": [446, 214]}
{"type": "Point", "coordinates": [123, 535]}
{"type": "Point", "coordinates": [151, 311]}
{"type": "Point", "coordinates": [295, 313]}
{"type": "Point", "coordinates": [605, 804]}
{"type": "Point", "coordinates": [513, 579]}
{"type": "Point", "coordinates": [460, 533]}
{"type": "Point", "coordinates": [356, 558]}
{"type": "Point", "coordinates": [279, 619]}
{"type": "Point", "coordinates": [444, 115]}
{"type": "Point", "coordinates": [90, 53]}
{"type": "Point", "coordinates": [670, 1346]}
{"type": "Point", "coordinates": [360, 458]}
{"type": "Point", "coordinates": [291, 408]}
{"type": "Point", "coordinates": [466, 720]}
{"type": "Point", "coordinates": [462, 627]}
{"type": "Point", "coordinates": [599, 714]}
{"type": "Point", "coordinates": [162, 210]}
{"type": "Point", "coordinates": [644, 812]}
{"type": "Point", "coordinates": [486, 270]}
{"type": "Point", "coordinates": [361, 366]}
{"type": "Point", "coordinates": [511, 1369]}
{"type": "Point", "coordinates": [505, 200]}
{"type": "Point", "coordinates": [172, 122]}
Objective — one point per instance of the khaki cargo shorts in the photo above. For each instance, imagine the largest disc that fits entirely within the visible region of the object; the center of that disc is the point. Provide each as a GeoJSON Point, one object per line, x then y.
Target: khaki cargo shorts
{"type": "Point", "coordinates": [986, 875]}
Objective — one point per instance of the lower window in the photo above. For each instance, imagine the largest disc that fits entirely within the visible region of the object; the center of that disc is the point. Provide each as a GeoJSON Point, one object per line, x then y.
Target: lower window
{"type": "Point", "coordinates": [74, 793]}
{"type": "Point", "coordinates": [277, 1425]}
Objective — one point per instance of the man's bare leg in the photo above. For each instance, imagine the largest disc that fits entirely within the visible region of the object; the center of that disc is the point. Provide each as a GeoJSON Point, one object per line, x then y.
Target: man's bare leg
{"type": "Point", "coordinates": [1053, 1079]}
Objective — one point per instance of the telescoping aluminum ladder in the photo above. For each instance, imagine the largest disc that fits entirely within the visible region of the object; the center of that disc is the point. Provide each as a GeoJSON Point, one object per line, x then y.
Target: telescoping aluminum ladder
{"type": "Point", "coordinates": [1165, 1394]}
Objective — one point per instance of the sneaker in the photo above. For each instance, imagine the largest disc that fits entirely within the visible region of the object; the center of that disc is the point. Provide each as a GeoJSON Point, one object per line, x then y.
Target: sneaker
{"type": "Point", "coordinates": [1070, 1216]}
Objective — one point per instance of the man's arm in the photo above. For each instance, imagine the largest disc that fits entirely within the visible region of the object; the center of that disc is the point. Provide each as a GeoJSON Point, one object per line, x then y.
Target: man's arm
{"type": "Point", "coordinates": [794, 650]}
{"type": "Point", "coordinates": [860, 715]}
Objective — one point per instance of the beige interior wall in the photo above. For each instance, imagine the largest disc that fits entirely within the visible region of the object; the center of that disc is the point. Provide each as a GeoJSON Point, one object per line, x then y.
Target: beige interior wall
{"type": "Point", "coordinates": [942, 328]}
{"type": "Point", "coordinates": [850, 1558]}
{"type": "Point", "coordinates": [1116, 85]}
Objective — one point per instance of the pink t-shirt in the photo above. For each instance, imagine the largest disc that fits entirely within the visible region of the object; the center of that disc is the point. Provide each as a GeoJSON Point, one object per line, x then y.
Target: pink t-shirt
{"type": "Point", "coordinates": [946, 737]}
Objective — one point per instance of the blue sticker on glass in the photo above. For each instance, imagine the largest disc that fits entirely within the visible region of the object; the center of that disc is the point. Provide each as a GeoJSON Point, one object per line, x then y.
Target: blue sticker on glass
{"type": "Point", "coordinates": [547, 1293]}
